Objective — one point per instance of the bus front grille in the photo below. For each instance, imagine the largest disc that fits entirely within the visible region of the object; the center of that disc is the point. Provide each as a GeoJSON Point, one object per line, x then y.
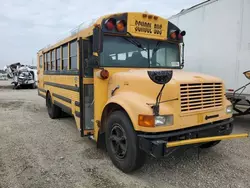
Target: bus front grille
{"type": "Point", "coordinates": [199, 96]}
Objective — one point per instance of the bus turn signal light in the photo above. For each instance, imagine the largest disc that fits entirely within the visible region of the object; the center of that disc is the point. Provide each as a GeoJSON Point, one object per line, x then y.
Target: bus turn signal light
{"type": "Point", "coordinates": [104, 74]}
{"type": "Point", "coordinates": [176, 34]}
{"type": "Point", "coordinates": [173, 35]}
{"type": "Point", "coordinates": [146, 120]}
{"type": "Point", "coordinates": [120, 25]}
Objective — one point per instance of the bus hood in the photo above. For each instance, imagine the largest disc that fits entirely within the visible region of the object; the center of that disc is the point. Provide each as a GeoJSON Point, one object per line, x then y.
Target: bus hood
{"type": "Point", "coordinates": [135, 76]}
{"type": "Point", "coordinates": [178, 76]}
{"type": "Point", "coordinates": [137, 80]}
{"type": "Point", "coordinates": [137, 93]}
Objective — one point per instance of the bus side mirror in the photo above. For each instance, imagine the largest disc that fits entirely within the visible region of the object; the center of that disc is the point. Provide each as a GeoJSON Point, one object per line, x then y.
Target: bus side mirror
{"type": "Point", "coordinates": [97, 40]}
{"type": "Point", "coordinates": [247, 74]}
{"type": "Point", "coordinates": [160, 77]}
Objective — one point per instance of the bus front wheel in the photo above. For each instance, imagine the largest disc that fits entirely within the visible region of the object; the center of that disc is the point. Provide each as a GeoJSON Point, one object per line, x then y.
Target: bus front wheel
{"type": "Point", "coordinates": [53, 110]}
{"type": "Point", "coordinates": [122, 143]}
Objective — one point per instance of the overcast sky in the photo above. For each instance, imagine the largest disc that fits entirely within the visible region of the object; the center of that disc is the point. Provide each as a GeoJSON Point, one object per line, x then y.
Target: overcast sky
{"type": "Point", "coordinates": [29, 25]}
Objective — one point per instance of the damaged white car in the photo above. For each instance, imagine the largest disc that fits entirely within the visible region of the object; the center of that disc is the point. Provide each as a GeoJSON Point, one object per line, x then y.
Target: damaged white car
{"type": "Point", "coordinates": [22, 75]}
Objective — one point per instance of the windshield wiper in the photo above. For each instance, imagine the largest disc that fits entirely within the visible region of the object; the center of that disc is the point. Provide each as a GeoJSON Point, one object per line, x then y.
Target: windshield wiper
{"type": "Point", "coordinates": [135, 42]}
{"type": "Point", "coordinates": [156, 47]}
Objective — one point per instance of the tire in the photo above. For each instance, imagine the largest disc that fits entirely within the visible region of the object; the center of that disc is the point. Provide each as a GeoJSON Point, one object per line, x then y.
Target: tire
{"type": "Point", "coordinates": [33, 86]}
{"type": "Point", "coordinates": [119, 129]}
{"type": "Point", "coordinates": [15, 86]}
{"type": "Point", "coordinates": [210, 144]}
{"type": "Point", "coordinates": [53, 110]}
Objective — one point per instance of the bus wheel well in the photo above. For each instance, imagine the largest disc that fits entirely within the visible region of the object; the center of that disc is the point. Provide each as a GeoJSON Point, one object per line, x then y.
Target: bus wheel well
{"type": "Point", "coordinates": [111, 107]}
{"type": "Point", "coordinates": [108, 110]}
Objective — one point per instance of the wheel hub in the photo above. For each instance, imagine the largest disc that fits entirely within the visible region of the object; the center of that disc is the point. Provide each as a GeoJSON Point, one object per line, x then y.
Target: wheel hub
{"type": "Point", "coordinates": [118, 141]}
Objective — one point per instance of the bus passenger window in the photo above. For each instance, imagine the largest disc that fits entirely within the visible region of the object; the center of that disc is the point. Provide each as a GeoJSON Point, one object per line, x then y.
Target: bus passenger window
{"type": "Point", "coordinates": [48, 61]}
{"type": "Point", "coordinates": [65, 57]}
{"type": "Point", "coordinates": [40, 61]}
{"type": "Point", "coordinates": [58, 58]}
{"type": "Point", "coordinates": [44, 62]}
{"type": "Point", "coordinates": [53, 60]}
{"type": "Point", "coordinates": [73, 55]}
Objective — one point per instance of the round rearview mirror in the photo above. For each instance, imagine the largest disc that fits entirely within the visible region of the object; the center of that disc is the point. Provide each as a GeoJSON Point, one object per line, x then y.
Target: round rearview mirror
{"type": "Point", "coordinates": [160, 77]}
{"type": "Point", "coordinates": [247, 74]}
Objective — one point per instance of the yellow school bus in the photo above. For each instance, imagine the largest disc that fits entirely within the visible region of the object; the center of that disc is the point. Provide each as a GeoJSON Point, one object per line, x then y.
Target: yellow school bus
{"type": "Point", "coordinates": [122, 81]}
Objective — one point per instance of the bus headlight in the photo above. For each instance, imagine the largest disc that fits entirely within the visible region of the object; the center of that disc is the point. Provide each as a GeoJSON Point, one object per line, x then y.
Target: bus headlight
{"type": "Point", "coordinates": [152, 121]}
{"type": "Point", "coordinates": [164, 120]}
{"type": "Point", "coordinates": [229, 109]}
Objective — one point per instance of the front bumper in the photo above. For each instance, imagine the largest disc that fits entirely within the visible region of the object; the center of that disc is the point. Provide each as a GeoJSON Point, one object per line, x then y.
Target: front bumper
{"type": "Point", "coordinates": [25, 81]}
{"type": "Point", "coordinates": [157, 144]}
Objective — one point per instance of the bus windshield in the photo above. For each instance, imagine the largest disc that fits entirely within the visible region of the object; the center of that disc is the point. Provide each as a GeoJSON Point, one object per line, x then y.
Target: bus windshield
{"type": "Point", "coordinates": [119, 52]}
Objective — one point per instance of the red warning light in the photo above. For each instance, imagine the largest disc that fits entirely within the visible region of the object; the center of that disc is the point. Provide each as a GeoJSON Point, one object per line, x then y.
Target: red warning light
{"type": "Point", "coordinates": [110, 23]}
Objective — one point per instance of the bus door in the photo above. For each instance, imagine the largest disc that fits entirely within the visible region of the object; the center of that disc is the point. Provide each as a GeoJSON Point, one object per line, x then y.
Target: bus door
{"type": "Point", "coordinates": [86, 90]}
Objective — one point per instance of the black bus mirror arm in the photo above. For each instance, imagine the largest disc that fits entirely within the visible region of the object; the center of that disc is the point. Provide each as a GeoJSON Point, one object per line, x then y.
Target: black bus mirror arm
{"type": "Point", "coordinates": [91, 62]}
{"type": "Point", "coordinates": [182, 56]}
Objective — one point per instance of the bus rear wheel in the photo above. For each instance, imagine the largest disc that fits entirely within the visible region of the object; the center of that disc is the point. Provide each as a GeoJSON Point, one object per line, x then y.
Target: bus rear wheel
{"type": "Point", "coordinates": [122, 143]}
{"type": "Point", "coordinates": [53, 110]}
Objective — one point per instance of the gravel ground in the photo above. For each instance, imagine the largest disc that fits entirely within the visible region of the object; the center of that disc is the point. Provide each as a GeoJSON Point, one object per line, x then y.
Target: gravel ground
{"type": "Point", "coordinates": [36, 151]}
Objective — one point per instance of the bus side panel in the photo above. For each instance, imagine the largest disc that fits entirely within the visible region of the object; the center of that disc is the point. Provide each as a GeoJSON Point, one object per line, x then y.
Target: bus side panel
{"type": "Point", "coordinates": [65, 90]}
{"type": "Point", "coordinates": [101, 96]}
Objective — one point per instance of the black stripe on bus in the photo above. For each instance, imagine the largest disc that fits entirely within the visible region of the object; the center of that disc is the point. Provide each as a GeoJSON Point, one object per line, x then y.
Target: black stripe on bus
{"type": "Point", "coordinates": [77, 103]}
{"type": "Point", "coordinates": [62, 98]}
{"type": "Point", "coordinates": [63, 107]}
{"type": "Point", "coordinates": [72, 88]}
{"type": "Point", "coordinates": [77, 114]}
{"type": "Point", "coordinates": [42, 90]}
{"type": "Point", "coordinates": [63, 72]}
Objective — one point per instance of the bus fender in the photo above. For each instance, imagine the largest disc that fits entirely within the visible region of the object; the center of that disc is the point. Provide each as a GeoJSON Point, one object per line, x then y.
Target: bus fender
{"type": "Point", "coordinates": [132, 104]}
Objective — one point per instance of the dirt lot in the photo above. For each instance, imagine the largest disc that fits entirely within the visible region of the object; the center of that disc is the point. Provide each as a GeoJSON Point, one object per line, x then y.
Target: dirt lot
{"type": "Point", "coordinates": [36, 151]}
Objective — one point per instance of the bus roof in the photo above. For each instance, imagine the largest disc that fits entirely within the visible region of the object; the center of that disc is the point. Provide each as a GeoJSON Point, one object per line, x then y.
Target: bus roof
{"type": "Point", "coordinates": [87, 30]}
